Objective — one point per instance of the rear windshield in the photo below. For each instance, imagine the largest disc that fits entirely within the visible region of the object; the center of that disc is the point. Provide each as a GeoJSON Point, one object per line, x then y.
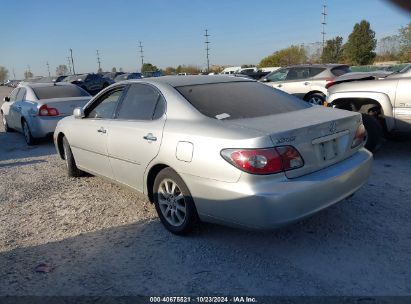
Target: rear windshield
{"type": "Point", "coordinates": [341, 70]}
{"type": "Point", "coordinates": [234, 100]}
{"type": "Point", "coordinates": [59, 92]}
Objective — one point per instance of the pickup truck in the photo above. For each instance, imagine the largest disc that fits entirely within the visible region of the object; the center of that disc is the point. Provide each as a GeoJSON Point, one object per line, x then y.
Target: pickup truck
{"type": "Point", "coordinates": [385, 103]}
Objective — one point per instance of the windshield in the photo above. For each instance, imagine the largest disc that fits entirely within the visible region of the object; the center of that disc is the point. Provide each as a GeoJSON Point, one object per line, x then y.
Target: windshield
{"type": "Point", "coordinates": [234, 100]}
{"type": "Point", "coordinates": [59, 91]}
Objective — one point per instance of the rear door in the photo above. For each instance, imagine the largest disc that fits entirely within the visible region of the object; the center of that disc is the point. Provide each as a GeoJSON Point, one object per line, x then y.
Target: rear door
{"type": "Point", "coordinates": [297, 82]}
{"type": "Point", "coordinates": [136, 133]}
{"type": "Point", "coordinates": [88, 136]}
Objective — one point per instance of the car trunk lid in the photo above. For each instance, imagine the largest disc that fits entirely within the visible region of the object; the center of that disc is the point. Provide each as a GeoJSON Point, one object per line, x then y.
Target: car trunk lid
{"type": "Point", "coordinates": [65, 105]}
{"type": "Point", "coordinates": [322, 136]}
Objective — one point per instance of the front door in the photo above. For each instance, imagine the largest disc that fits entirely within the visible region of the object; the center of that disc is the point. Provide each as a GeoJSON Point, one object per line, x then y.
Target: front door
{"type": "Point", "coordinates": [88, 137]}
{"type": "Point", "coordinates": [403, 105]}
{"type": "Point", "coordinates": [136, 133]}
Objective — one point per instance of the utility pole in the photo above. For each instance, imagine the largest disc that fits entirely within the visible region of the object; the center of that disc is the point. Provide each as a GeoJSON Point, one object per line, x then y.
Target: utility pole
{"type": "Point", "coordinates": [48, 68]}
{"type": "Point", "coordinates": [141, 55]}
{"type": "Point", "coordinates": [72, 61]}
{"type": "Point", "coordinates": [323, 23]}
{"type": "Point", "coordinates": [69, 64]}
{"type": "Point", "coordinates": [207, 49]}
{"type": "Point", "coordinates": [14, 74]}
{"type": "Point", "coordinates": [99, 62]}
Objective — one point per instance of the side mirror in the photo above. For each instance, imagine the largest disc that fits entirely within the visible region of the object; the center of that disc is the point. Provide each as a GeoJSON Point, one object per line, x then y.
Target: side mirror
{"type": "Point", "coordinates": [78, 113]}
{"type": "Point", "coordinates": [6, 99]}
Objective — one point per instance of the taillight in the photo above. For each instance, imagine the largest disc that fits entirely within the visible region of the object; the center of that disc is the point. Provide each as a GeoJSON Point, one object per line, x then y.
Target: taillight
{"type": "Point", "coordinates": [359, 136]}
{"type": "Point", "coordinates": [328, 83]}
{"type": "Point", "coordinates": [264, 161]}
{"type": "Point", "coordinates": [46, 111]}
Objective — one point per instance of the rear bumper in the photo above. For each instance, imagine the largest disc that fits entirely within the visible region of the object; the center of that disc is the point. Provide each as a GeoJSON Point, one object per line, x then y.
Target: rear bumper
{"type": "Point", "coordinates": [43, 126]}
{"type": "Point", "coordinates": [270, 202]}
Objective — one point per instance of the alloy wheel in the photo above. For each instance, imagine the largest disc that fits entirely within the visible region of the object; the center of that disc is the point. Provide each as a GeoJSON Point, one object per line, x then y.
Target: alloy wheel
{"type": "Point", "coordinates": [172, 203]}
{"type": "Point", "coordinates": [317, 100]}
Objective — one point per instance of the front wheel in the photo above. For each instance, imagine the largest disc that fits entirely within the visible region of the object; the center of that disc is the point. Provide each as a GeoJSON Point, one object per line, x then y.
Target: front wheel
{"type": "Point", "coordinates": [72, 170]}
{"type": "Point", "coordinates": [5, 124]}
{"type": "Point", "coordinates": [316, 98]}
{"type": "Point", "coordinates": [174, 203]}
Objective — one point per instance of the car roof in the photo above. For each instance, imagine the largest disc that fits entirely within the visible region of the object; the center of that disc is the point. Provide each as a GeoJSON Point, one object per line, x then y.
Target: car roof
{"type": "Point", "coordinates": [178, 81]}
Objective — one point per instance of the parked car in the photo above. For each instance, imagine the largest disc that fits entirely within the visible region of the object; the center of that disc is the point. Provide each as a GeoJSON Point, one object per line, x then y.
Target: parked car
{"type": "Point", "coordinates": [51, 79]}
{"type": "Point", "coordinates": [112, 75]}
{"type": "Point", "coordinates": [34, 109]}
{"type": "Point", "coordinates": [127, 76]}
{"type": "Point", "coordinates": [201, 150]}
{"type": "Point", "coordinates": [306, 81]}
{"type": "Point", "coordinates": [385, 103]}
{"type": "Point", "coordinates": [92, 83]}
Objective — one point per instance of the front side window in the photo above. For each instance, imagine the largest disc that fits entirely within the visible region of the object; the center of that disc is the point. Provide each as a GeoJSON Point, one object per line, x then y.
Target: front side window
{"type": "Point", "coordinates": [298, 73]}
{"type": "Point", "coordinates": [105, 106]}
{"type": "Point", "coordinates": [278, 75]}
{"type": "Point", "coordinates": [13, 94]}
{"type": "Point", "coordinates": [142, 102]}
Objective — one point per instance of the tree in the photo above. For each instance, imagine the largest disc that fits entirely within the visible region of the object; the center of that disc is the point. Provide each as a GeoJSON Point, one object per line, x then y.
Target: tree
{"type": "Point", "coordinates": [169, 71]}
{"type": "Point", "coordinates": [333, 50]}
{"type": "Point", "coordinates": [61, 70]}
{"type": "Point", "coordinates": [388, 48]}
{"type": "Point", "coordinates": [28, 75]}
{"type": "Point", "coordinates": [99, 71]}
{"type": "Point", "coordinates": [405, 43]}
{"type": "Point", "coordinates": [148, 67]}
{"type": "Point", "coordinates": [292, 55]}
{"type": "Point", "coordinates": [121, 69]}
{"type": "Point", "coordinates": [359, 49]}
{"type": "Point", "coordinates": [4, 73]}
{"type": "Point", "coordinates": [114, 70]}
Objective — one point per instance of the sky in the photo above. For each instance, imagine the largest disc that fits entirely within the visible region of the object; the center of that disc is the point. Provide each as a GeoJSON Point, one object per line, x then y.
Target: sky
{"type": "Point", "coordinates": [172, 31]}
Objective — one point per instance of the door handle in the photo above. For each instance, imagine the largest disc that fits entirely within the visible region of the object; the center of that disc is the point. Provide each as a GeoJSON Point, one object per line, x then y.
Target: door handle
{"type": "Point", "coordinates": [279, 86]}
{"type": "Point", "coordinates": [306, 83]}
{"type": "Point", "coordinates": [150, 137]}
{"type": "Point", "coordinates": [102, 130]}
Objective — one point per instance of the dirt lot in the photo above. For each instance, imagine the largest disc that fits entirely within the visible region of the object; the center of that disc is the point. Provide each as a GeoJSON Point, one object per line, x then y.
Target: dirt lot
{"type": "Point", "coordinates": [102, 239]}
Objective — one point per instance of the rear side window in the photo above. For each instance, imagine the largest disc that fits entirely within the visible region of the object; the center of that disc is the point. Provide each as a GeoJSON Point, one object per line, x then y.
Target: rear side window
{"type": "Point", "coordinates": [142, 102]}
{"type": "Point", "coordinates": [21, 94]}
{"type": "Point", "coordinates": [298, 73]}
{"type": "Point", "coordinates": [235, 100]}
{"type": "Point", "coordinates": [341, 70]}
{"type": "Point", "coordinates": [59, 91]}
{"type": "Point", "coordinates": [315, 71]}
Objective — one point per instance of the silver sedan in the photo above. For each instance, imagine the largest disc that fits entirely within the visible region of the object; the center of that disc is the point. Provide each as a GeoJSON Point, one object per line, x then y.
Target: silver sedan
{"type": "Point", "coordinates": [217, 149]}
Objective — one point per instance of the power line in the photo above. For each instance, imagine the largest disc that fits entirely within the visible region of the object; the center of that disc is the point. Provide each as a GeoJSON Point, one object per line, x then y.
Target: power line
{"type": "Point", "coordinates": [72, 61]}
{"type": "Point", "coordinates": [141, 54]}
{"type": "Point", "coordinates": [207, 49]}
{"type": "Point", "coordinates": [323, 24]}
{"type": "Point", "coordinates": [48, 67]}
{"type": "Point", "coordinates": [98, 61]}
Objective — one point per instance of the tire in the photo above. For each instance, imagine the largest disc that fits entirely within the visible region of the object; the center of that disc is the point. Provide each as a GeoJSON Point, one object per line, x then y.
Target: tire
{"type": "Point", "coordinates": [30, 140]}
{"type": "Point", "coordinates": [5, 125]}
{"type": "Point", "coordinates": [174, 203]}
{"type": "Point", "coordinates": [375, 132]}
{"type": "Point", "coordinates": [316, 98]}
{"type": "Point", "coordinates": [72, 170]}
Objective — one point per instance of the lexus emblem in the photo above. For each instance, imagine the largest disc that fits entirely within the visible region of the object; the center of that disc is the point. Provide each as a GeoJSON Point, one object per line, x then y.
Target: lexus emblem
{"type": "Point", "coordinates": [333, 126]}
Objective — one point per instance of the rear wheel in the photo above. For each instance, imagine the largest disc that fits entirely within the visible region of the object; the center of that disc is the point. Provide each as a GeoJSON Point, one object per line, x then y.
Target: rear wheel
{"type": "Point", "coordinates": [30, 140]}
{"type": "Point", "coordinates": [174, 203]}
{"type": "Point", "coordinates": [72, 169]}
{"type": "Point", "coordinates": [374, 130]}
{"type": "Point", "coordinates": [316, 98]}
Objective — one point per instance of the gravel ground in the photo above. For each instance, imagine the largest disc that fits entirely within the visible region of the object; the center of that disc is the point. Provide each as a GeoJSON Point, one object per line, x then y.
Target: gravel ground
{"type": "Point", "coordinates": [102, 239]}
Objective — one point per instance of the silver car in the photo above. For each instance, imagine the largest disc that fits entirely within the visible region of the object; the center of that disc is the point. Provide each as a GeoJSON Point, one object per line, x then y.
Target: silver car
{"type": "Point", "coordinates": [217, 149]}
{"type": "Point", "coordinates": [307, 81]}
{"type": "Point", "coordinates": [34, 109]}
